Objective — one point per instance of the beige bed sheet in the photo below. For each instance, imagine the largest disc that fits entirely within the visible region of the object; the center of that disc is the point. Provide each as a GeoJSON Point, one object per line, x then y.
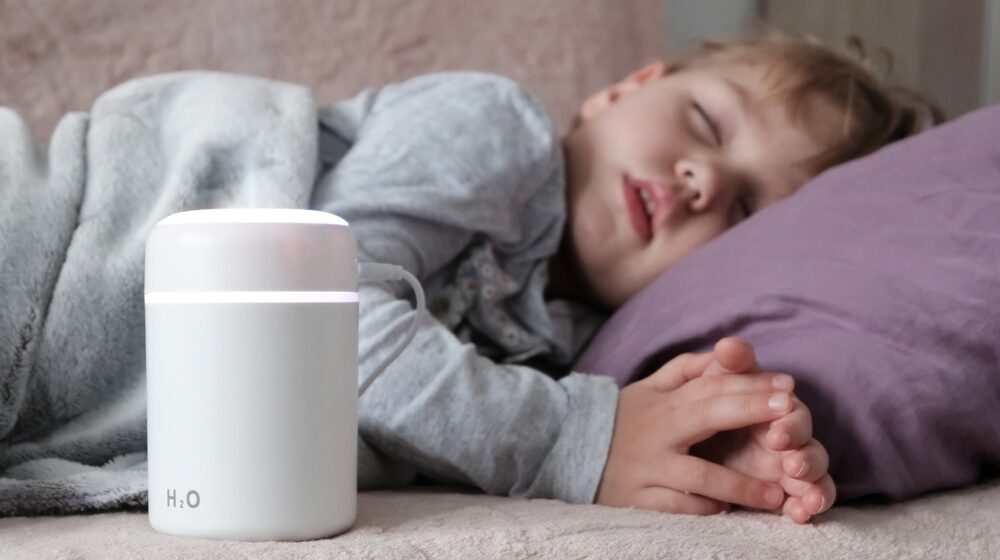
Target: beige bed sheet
{"type": "Point", "coordinates": [426, 524]}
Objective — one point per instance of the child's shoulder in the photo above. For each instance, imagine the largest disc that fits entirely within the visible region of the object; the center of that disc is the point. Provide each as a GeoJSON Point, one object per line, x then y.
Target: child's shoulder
{"type": "Point", "coordinates": [496, 98]}
{"type": "Point", "coordinates": [484, 82]}
{"type": "Point", "coordinates": [471, 89]}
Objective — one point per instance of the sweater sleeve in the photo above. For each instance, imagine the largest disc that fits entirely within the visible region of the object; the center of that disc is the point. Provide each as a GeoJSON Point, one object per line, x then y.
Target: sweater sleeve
{"type": "Point", "coordinates": [435, 164]}
{"type": "Point", "coordinates": [459, 417]}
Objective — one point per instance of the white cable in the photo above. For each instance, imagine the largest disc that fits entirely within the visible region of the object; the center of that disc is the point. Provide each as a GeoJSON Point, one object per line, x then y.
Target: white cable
{"type": "Point", "coordinates": [377, 272]}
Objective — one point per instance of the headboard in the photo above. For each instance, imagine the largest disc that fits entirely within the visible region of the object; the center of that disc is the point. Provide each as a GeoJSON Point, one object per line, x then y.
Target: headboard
{"type": "Point", "coordinates": [58, 56]}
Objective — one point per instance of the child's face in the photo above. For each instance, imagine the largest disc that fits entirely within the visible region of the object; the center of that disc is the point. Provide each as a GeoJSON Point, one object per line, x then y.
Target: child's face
{"type": "Point", "coordinates": [700, 145]}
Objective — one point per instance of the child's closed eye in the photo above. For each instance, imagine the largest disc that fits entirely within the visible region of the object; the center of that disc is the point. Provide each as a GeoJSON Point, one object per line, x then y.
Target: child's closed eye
{"type": "Point", "coordinates": [706, 124]}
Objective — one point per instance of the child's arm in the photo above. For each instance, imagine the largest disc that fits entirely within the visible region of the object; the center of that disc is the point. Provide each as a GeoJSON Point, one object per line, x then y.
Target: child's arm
{"type": "Point", "coordinates": [512, 430]}
{"type": "Point", "coordinates": [422, 171]}
{"type": "Point", "coordinates": [460, 417]}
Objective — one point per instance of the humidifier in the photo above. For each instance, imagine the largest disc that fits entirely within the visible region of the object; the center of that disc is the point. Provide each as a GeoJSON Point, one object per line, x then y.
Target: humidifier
{"type": "Point", "coordinates": [252, 374]}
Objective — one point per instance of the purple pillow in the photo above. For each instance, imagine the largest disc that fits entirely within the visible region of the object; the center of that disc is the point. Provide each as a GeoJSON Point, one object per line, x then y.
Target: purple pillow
{"type": "Point", "coordinates": [877, 287]}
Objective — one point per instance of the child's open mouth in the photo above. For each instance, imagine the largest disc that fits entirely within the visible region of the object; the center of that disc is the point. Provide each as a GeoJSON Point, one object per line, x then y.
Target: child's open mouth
{"type": "Point", "coordinates": [648, 204]}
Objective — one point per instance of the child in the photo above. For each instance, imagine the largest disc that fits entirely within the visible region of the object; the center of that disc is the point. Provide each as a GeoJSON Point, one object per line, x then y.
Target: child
{"type": "Point", "coordinates": [523, 241]}
{"type": "Point", "coordinates": [463, 180]}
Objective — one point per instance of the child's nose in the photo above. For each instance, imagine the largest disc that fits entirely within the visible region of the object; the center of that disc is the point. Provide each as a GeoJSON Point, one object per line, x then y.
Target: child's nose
{"type": "Point", "coordinates": [701, 182]}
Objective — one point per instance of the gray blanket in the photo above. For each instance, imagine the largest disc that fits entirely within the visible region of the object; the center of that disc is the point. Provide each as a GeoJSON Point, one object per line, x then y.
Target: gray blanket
{"type": "Point", "coordinates": [74, 218]}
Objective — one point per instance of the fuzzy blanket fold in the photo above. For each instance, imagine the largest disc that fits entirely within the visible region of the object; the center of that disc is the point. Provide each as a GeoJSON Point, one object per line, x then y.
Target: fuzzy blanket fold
{"type": "Point", "coordinates": [74, 217]}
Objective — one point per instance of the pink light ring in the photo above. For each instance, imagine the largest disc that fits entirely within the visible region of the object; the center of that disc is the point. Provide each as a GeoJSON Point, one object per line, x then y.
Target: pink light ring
{"type": "Point", "coordinates": [253, 216]}
{"type": "Point", "coordinates": [167, 298]}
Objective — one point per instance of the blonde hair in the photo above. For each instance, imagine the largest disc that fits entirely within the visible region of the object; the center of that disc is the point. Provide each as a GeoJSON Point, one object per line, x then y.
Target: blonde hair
{"type": "Point", "coordinates": [799, 66]}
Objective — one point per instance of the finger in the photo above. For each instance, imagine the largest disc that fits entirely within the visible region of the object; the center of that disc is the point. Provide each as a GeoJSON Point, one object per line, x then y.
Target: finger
{"type": "Point", "coordinates": [796, 511]}
{"type": "Point", "coordinates": [808, 463]}
{"type": "Point", "coordinates": [792, 430]}
{"type": "Point", "coordinates": [668, 500]}
{"type": "Point", "coordinates": [698, 476]}
{"type": "Point", "coordinates": [815, 497]}
{"type": "Point", "coordinates": [734, 384]}
{"type": "Point", "coordinates": [795, 487]}
{"type": "Point", "coordinates": [733, 355]}
{"type": "Point", "coordinates": [679, 371]}
{"type": "Point", "coordinates": [700, 420]}
{"type": "Point", "coordinates": [821, 496]}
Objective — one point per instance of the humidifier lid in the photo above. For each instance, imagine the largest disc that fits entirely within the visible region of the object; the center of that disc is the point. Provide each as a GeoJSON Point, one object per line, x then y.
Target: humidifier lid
{"type": "Point", "coordinates": [251, 250]}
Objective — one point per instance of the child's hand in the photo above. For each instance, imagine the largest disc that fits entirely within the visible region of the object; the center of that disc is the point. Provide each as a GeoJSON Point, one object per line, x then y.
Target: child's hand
{"type": "Point", "coordinates": [659, 418]}
{"type": "Point", "coordinates": [782, 450]}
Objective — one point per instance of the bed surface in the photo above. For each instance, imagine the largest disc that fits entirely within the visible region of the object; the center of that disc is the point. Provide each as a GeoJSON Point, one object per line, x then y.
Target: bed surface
{"type": "Point", "coordinates": [441, 524]}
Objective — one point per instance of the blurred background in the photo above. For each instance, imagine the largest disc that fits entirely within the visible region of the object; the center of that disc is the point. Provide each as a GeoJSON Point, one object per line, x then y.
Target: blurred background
{"type": "Point", "coordinates": [947, 49]}
{"type": "Point", "coordinates": [59, 55]}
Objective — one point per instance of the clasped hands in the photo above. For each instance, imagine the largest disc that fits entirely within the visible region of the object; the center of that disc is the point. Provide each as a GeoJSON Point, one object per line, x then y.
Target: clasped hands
{"type": "Point", "coordinates": [709, 431]}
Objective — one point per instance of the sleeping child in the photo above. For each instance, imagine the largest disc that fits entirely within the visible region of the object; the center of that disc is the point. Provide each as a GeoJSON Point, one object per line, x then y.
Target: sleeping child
{"type": "Point", "coordinates": [525, 240]}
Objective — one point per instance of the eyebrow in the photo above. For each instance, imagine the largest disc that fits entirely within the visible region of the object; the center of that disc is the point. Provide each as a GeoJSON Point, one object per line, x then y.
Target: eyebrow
{"type": "Point", "coordinates": [744, 102]}
{"type": "Point", "coordinates": [787, 185]}
{"type": "Point", "coordinates": [739, 90]}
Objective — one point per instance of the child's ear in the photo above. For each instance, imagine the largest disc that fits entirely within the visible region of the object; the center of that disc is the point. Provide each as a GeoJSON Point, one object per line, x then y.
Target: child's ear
{"type": "Point", "coordinates": [603, 99]}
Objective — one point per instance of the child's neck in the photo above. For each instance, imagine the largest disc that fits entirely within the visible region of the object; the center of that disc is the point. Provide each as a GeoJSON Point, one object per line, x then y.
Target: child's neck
{"type": "Point", "coordinates": [566, 280]}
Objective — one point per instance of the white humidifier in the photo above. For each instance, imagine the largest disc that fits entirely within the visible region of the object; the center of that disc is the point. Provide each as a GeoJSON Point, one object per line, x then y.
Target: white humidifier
{"type": "Point", "coordinates": [252, 352]}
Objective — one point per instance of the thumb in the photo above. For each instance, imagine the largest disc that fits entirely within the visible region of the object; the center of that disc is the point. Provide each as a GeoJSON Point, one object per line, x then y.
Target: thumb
{"type": "Point", "coordinates": [733, 355]}
{"type": "Point", "coordinates": [678, 371]}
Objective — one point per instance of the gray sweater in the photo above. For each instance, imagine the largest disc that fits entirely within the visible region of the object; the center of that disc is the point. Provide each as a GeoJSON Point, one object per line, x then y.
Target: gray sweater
{"type": "Point", "coordinates": [459, 179]}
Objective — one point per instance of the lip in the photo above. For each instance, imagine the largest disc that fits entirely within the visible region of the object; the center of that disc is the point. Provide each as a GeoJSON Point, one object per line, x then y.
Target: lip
{"type": "Point", "coordinates": [663, 200]}
{"type": "Point", "coordinates": [637, 211]}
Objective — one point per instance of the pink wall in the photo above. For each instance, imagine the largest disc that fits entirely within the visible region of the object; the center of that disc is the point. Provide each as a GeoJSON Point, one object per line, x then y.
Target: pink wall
{"type": "Point", "coordinates": [57, 56]}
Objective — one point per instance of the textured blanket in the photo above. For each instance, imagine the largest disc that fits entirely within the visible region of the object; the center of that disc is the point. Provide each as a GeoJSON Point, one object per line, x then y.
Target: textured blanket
{"type": "Point", "coordinates": [74, 217]}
